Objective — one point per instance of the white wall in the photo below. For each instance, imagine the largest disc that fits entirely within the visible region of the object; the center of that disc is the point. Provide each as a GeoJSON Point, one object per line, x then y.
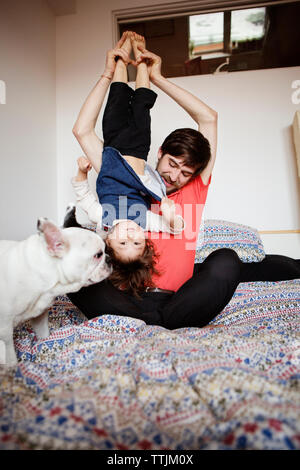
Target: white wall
{"type": "Point", "coordinates": [254, 180]}
{"type": "Point", "coordinates": [28, 187]}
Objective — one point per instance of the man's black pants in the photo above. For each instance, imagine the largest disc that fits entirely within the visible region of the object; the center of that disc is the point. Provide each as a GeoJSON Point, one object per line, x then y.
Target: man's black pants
{"type": "Point", "coordinates": [197, 302]}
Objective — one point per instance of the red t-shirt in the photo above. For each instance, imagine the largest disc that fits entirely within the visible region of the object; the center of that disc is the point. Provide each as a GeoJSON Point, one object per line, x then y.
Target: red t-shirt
{"type": "Point", "coordinates": [177, 252]}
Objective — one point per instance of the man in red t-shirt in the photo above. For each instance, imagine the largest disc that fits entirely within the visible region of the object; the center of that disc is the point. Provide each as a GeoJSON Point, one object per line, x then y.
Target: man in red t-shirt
{"type": "Point", "coordinates": [185, 162]}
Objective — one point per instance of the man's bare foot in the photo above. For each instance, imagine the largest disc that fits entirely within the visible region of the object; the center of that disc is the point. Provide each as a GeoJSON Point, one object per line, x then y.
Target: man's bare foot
{"type": "Point", "coordinates": [137, 41]}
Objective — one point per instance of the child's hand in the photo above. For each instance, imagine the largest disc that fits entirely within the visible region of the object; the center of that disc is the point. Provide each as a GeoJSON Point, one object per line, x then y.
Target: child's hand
{"type": "Point", "coordinates": [84, 165]}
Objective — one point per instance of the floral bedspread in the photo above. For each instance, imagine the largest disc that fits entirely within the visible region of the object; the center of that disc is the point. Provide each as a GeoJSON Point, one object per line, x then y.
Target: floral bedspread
{"type": "Point", "coordinates": [115, 383]}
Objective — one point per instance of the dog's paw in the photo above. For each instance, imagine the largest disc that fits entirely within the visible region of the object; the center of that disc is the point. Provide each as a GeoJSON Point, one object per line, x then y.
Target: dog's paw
{"type": "Point", "coordinates": [8, 357]}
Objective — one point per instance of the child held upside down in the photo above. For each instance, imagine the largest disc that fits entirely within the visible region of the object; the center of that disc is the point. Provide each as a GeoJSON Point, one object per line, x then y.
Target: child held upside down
{"type": "Point", "coordinates": [126, 183]}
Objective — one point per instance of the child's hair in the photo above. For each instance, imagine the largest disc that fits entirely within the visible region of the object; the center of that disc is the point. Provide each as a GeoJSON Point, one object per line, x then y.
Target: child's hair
{"type": "Point", "coordinates": [133, 276]}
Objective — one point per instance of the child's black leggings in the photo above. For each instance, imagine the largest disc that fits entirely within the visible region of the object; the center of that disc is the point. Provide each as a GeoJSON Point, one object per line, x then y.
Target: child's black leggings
{"type": "Point", "coordinates": [126, 121]}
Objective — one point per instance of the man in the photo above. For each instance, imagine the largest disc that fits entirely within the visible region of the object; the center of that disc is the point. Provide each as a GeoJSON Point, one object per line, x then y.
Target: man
{"type": "Point", "coordinates": [177, 175]}
{"type": "Point", "coordinates": [185, 162]}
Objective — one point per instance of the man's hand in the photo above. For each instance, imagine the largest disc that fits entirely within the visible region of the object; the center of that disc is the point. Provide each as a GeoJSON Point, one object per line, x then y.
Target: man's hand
{"type": "Point", "coordinates": [113, 54]}
{"type": "Point", "coordinates": [175, 222]}
{"type": "Point", "coordinates": [167, 207]}
{"type": "Point", "coordinates": [152, 60]}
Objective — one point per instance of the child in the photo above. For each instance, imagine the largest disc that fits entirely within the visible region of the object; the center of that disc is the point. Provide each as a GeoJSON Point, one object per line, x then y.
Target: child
{"type": "Point", "coordinates": [126, 183]}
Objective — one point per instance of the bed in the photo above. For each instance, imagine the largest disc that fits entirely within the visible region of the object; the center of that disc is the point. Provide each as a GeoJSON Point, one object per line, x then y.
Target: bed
{"type": "Point", "coordinates": [116, 383]}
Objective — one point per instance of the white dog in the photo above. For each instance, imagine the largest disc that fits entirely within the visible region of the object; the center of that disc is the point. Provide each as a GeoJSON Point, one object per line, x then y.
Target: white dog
{"type": "Point", "coordinates": [34, 271]}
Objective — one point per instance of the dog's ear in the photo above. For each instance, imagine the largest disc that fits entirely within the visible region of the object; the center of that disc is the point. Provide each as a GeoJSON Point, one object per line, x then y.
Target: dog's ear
{"type": "Point", "coordinates": [56, 245]}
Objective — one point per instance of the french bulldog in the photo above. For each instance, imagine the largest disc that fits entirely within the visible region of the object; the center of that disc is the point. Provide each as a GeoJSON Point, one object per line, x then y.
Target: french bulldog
{"type": "Point", "coordinates": [34, 271]}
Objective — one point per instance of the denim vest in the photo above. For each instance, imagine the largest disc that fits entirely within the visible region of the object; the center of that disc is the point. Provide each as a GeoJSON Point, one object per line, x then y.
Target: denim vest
{"type": "Point", "coordinates": [121, 192]}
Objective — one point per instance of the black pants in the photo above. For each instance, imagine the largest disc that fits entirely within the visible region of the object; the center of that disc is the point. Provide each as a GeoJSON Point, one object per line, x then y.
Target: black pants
{"type": "Point", "coordinates": [126, 120]}
{"type": "Point", "coordinates": [198, 301]}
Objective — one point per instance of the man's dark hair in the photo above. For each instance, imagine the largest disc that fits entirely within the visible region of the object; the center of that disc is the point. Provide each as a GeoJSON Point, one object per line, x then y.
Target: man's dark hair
{"type": "Point", "coordinates": [133, 276]}
{"type": "Point", "coordinates": [189, 144]}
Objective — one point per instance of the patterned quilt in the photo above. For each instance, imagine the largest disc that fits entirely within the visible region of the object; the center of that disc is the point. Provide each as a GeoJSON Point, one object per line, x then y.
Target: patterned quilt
{"type": "Point", "coordinates": [115, 383]}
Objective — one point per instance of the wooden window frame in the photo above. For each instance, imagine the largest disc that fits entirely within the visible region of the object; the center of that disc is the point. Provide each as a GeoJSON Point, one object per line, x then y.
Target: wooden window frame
{"type": "Point", "coordinates": [183, 8]}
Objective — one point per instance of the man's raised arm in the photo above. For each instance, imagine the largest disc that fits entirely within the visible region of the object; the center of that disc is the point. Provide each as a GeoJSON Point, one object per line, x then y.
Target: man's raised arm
{"type": "Point", "coordinates": [84, 127]}
{"type": "Point", "coordinates": [205, 117]}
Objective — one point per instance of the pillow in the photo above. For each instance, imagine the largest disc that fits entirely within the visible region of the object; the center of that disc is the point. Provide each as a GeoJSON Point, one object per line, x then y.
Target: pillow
{"type": "Point", "coordinates": [222, 234]}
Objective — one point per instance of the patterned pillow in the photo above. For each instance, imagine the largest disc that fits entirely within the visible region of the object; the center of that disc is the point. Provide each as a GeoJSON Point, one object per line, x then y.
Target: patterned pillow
{"type": "Point", "coordinates": [217, 234]}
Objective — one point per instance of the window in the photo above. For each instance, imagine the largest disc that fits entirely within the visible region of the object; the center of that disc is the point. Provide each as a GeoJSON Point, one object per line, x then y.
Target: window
{"type": "Point", "coordinates": [206, 31]}
{"type": "Point", "coordinates": [200, 42]}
